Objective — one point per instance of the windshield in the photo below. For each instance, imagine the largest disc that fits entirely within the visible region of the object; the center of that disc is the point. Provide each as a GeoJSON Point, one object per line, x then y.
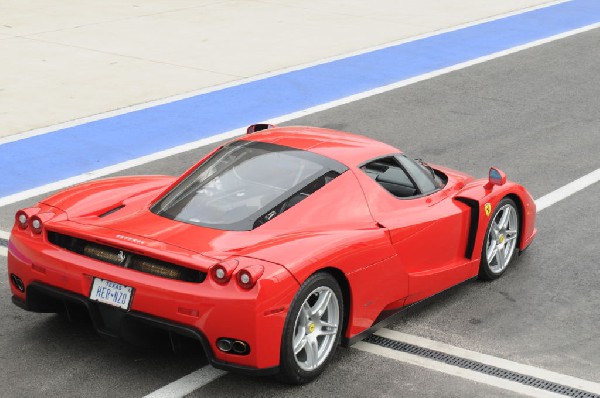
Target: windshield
{"type": "Point", "coordinates": [246, 184]}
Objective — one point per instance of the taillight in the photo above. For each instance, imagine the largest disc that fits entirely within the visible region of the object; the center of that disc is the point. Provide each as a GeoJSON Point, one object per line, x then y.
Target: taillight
{"type": "Point", "coordinates": [247, 277]}
{"type": "Point", "coordinates": [21, 219]}
{"type": "Point", "coordinates": [36, 225]}
{"type": "Point", "coordinates": [36, 222]}
{"type": "Point", "coordinates": [221, 273]}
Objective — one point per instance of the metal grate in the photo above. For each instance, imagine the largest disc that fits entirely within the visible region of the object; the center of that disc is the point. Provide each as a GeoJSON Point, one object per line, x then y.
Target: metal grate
{"type": "Point", "coordinates": [3, 242]}
{"type": "Point", "coordinates": [479, 367]}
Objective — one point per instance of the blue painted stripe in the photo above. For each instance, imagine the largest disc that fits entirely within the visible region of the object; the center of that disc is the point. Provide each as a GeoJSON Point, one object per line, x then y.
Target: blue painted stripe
{"type": "Point", "coordinates": [72, 151]}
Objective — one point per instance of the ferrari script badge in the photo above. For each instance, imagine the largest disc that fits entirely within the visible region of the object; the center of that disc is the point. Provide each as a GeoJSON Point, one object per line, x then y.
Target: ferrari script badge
{"type": "Point", "coordinates": [488, 209]}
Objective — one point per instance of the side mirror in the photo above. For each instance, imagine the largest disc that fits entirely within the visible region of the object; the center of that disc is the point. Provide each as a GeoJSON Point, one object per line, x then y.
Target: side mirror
{"type": "Point", "coordinates": [495, 177]}
{"type": "Point", "coordinates": [259, 127]}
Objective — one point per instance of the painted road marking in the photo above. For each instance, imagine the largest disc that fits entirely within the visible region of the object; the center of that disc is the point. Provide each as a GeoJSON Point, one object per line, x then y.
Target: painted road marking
{"type": "Point", "coordinates": [29, 193]}
{"type": "Point", "coordinates": [87, 148]}
{"type": "Point", "coordinates": [4, 236]}
{"type": "Point", "coordinates": [162, 101]}
{"type": "Point", "coordinates": [187, 384]}
{"type": "Point", "coordinates": [452, 370]}
{"type": "Point", "coordinates": [567, 190]}
{"type": "Point", "coordinates": [528, 370]}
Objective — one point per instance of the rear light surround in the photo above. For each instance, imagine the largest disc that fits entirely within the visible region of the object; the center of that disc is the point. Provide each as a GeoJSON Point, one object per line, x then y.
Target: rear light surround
{"type": "Point", "coordinates": [23, 217]}
{"type": "Point", "coordinates": [22, 220]}
{"type": "Point", "coordinates": [36, 225]}
{"type": "Point", "coordinates": [36, 222]}
{"type": "Point", "coordinates": [245, 277]}
{"type": "Point", "coordinates": [221, 272]}
{"type": "Point", "coordinates": [248, 276]}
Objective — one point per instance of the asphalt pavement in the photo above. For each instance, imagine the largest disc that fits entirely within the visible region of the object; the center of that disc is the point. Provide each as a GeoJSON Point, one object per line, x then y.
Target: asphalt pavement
{"type": "Point", "coordinates": [534, 114]}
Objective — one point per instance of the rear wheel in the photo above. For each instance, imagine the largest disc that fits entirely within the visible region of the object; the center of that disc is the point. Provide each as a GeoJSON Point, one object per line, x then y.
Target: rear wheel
{"type": "Point", "coordinates": [312, 329]}
{"type": "Point", "coordinates": [501, 240]}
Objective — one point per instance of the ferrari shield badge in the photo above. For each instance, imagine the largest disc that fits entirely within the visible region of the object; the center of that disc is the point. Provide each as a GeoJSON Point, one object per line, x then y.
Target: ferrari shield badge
{"type": "Point", "coordinates": [488, 209]}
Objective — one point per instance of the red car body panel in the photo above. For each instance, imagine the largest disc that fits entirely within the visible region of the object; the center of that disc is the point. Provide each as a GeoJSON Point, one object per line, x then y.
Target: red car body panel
{"type": "Point", "coordinates": [386, 252]}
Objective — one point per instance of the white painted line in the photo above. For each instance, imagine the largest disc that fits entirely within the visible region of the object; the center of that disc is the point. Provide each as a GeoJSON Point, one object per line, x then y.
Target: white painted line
{"type": "Point", "coordinates": [187, 384]}
{"type": "Point", "coordinates": [117, 167]}
{"type": "Point", "coordinates": [567, 190]}
{"type": "Point", "coordinates": [4, 250]}
{"type": "Point", "coordinates": [528, 370]}
{"type": "Point", "coordinates": [149, 104]}
{"type": "Point", "coordinates": [233, 133]}
{"type": "Point", "coordinates": [453, 370]}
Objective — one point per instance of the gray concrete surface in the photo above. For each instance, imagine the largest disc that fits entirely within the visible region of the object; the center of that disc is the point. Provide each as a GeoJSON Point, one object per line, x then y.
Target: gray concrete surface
{"type": "Point", "coordinates": [535, 115]}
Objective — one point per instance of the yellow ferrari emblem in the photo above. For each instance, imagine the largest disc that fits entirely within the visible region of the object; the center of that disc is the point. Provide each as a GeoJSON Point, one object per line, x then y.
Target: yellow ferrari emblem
{"type": "Point", "coordinates": [311, 328]}
{"type": "Point", "coordinates": [501, 239]}
{"type": "Point", "coordinates": [488, 209]}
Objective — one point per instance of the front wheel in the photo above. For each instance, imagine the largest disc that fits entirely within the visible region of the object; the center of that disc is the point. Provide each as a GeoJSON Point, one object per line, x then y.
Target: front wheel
{"type": "Point", "coordinates": [501, 240]}
{"type": "Point", "coordinates": [312, 329]}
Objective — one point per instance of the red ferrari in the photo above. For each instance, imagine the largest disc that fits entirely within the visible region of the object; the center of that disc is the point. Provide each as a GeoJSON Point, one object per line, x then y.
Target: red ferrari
{"type": "Point", "coordinates": [271, 250]}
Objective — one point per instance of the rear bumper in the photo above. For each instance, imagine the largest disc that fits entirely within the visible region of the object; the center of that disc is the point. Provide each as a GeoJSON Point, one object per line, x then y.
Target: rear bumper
{"type": "Point", "coordinates": [204, 311]}
{"type": "Point", "coordinates": [115, 323]}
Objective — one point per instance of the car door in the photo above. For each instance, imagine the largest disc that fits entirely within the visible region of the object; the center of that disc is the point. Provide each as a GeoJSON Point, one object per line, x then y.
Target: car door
{"type": "Point", "coordinates": [427, 228]}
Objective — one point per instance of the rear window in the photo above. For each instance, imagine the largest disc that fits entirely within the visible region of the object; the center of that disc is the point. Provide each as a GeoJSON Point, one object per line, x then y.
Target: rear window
{"type": "Point", "coordinates": [247, 184]}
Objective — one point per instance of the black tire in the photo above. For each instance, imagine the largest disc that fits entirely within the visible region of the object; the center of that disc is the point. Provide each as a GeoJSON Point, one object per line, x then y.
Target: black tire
{"type": "Point", "coordinates": [290, 371]}
{"type": "Point", "coordinates": [493, 271]}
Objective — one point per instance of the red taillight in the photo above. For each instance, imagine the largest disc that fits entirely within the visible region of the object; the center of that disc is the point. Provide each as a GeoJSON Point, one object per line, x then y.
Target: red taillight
{"type": "Point", "coordinates": [36, 225]}
{"type": "Point", "coordinates": [21, 219]}
{"type": "Point", "coordinates": [247, 277]}
{"type": "Point", "coordinates": [36, 222]}
{"type": "Point", "coordinates": [221, 273]}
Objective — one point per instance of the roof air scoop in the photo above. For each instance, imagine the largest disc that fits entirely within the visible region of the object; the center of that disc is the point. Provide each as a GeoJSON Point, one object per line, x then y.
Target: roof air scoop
{"type": "Point", "coordinates": [259, 127]}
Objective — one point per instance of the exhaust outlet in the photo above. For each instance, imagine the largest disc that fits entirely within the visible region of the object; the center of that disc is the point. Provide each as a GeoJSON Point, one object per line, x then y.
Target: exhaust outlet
{"type": "Point", "coordinates": [239, 347]}
{"type": "Point", "coordinates": [224, 345]}
{"type": "Point", "coordinates": [17, 282]}
{"type": "Point", "coordinates": [231, 346]}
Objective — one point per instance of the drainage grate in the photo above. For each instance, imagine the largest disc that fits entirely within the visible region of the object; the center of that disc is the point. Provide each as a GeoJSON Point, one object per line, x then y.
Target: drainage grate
{"type": "Point", "coordinates": [3, 242]}
{"type": "Point", "coordinates": [479, 367]}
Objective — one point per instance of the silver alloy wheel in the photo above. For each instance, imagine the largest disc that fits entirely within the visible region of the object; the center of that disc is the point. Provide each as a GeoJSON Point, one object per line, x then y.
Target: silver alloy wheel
{"type": "Point", "coordinates": [502, 238]}
{"type": "Point", "coordinates": [316, 328]}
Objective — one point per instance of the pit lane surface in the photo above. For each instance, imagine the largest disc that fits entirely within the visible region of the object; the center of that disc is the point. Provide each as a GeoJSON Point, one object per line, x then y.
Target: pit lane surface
{"type": "Point", "coordinates": [533, 114]}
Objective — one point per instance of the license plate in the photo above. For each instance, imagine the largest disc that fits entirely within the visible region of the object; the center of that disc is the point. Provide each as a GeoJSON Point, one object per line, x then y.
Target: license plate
{"type": "Point", "coordinates": [111, 293]}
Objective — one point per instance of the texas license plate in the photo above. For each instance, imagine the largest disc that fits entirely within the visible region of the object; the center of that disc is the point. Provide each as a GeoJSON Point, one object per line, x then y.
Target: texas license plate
{"type": "Point", "coordinates": [111, 293]}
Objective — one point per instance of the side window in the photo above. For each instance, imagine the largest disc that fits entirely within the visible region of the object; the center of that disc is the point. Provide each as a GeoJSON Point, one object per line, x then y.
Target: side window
{"type": "Point", "coordinates": [388, 173]}
{"type": "Point", "coordinates": [424, 178]}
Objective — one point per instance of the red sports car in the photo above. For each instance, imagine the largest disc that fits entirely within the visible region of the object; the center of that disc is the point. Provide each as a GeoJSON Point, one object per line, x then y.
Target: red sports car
{"type": "Point", "coordinates": [270, 250]}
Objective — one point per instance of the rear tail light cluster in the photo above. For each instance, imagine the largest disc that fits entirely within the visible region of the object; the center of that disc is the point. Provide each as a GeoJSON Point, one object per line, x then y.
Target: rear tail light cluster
{"type": "Point", "coordinates": [22, 219]}
{"type": "Point", "coordinates": [36, 225]}
{"type": "Point", "coordinates": [246, 277]}
{"type": "Point", "coordinates": [31, 218]}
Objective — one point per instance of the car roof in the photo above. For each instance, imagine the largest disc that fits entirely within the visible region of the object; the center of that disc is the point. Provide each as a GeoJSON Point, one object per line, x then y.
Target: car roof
{"type": "Point", "coordinates": [349, 149]}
